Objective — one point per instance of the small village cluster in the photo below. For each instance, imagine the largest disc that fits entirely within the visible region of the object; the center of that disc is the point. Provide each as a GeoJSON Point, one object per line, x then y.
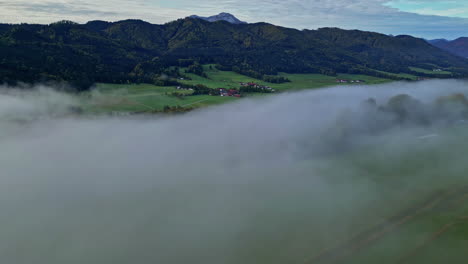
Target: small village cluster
{"type": "Point", "coordinates": [236, 93]}
{"type": "Point", "coordinates": [257, 86]}
{"type": "Point", "coordinates": [349, 81]}
{"type": "Point", "coordinates": [229, 92]}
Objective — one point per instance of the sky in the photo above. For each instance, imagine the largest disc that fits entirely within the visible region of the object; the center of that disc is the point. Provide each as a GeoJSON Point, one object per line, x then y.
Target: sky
{"type": "Point", "coordinates": [422, 18]}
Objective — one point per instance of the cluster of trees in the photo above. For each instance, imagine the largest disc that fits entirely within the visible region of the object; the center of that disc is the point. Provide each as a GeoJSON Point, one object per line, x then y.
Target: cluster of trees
{"type": "Point", "coordinates": [403, 110]}
{"type": "Point", "coordinates": [185, 62]}
{"type": "Point", "coordinates": [137, 51]}
{"type": "Point", "coordinates": [154, 71]}
{"type": "Point", "coordinates": [400, 110]}
{"type": "Point", "coordinates": [275, 79]}
{"type": "Point", "coordinates": [247, 71]}
{"type": "Point", "coordinates": [197, 69]}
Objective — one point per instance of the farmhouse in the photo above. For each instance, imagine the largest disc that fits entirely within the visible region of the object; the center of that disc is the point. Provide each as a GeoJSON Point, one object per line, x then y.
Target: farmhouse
{"type": "Point", "coordinates": [230, 92]}
{"type": "Point", "coordinates": [257, 86]}
{"type": "Point", "coordinates": [222, 92]}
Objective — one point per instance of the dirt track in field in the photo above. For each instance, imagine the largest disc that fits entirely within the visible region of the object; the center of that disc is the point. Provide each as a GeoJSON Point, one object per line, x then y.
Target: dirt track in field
{"type": "Point", "coordinates": [437, 201]}
{"type": "Point", "coordinates": [433, 238]}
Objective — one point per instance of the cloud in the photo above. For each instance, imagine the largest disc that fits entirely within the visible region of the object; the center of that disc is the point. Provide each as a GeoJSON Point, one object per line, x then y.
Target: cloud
{"type": "Point", "coordinates": [374, 15]}
{"type": "Point", "coordinates": [44, 11]}
{"type": "Point", "coordinates": [349, 14]}
{"type": "Point", "coordinates": [240, 183]}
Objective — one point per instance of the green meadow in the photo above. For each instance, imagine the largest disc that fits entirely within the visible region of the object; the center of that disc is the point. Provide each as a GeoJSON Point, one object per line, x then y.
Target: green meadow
{"type": "Point", "coordinates": [143, 98]}
{"type": "Point", "coordinates": [229, 79]}
{"type": "Point", "coordinates": [442, 72]}
{"type": "Point", "coordinates": [150, 98]}
{"type": "Point", "coordinates": [401, 75]}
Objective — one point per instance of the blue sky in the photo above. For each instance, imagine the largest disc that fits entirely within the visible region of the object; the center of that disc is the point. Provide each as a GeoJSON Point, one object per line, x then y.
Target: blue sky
{"type": "Point", "coordinates": [423, 18]}
{"type": "Point", "coordinates": [457, 8]}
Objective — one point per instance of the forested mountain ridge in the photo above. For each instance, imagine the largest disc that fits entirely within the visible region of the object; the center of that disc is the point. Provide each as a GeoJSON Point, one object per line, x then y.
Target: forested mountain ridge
{"type": "Point", "coordinates": [137, 51]}
{"type": "Point", "coordinates": [458, 46]}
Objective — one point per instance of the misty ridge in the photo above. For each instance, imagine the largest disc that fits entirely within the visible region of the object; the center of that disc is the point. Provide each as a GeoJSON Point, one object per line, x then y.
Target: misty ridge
{"type": "Point", "coordinates": [267, 180]}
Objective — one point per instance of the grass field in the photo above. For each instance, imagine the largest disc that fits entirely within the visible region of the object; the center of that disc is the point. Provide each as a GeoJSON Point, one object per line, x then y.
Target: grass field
{"type": "Point", "coordinates": [433, 234]}
{"type": "Point", "coordinates": [429, 71]}
{"type": "Point", "coordinates": [401, 75]}
{"type": "Point", "coordinates": [143, 98]}
{"type": "Point", "coordinates": [229, 79]}
{"type": "Point", "coordinates": [146, 97]}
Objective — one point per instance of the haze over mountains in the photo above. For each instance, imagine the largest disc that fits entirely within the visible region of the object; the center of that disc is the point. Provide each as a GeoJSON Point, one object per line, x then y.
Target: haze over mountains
{"type": "Point", "coordinates": [137, 51]}
{"type": "Point", "coordinates": [458, 46]}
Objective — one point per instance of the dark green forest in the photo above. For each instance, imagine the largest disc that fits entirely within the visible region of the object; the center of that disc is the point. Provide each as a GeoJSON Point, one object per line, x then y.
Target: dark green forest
{"type": "Point", "coordinates": [134, 51]}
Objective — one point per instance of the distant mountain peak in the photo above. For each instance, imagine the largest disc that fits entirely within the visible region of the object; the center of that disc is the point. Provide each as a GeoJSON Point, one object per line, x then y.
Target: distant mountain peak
{"type": "Point", "coordinates": [438, 41]}
{"type": "Point", "coordinates": [458, 46]}
{"type": "Point", "coordinates": [221, 17]}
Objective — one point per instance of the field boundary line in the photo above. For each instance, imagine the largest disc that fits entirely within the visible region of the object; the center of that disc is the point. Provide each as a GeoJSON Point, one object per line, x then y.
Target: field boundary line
{"type": "Point", "coordinates": [349, 246]}
{"type": "Point", "coordinates": [195, 102]}
{"type": "Point", "coordinates": [433, 238]}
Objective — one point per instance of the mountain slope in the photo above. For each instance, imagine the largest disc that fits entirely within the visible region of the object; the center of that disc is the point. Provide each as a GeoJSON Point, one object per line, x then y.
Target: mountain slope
{"type": "Point", "coordinates": [134, 50]}
{"type": "Point", "coordinates": [458, 47]}
{"type": "Point", "coordinates": [437, 41]}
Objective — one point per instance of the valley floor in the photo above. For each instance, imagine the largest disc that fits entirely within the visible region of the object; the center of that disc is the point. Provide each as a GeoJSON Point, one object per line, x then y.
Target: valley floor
{"type": "Point", "coordinates": [426, 223]}
{"type": "Point", "coordinates": [146, 98]}
{"type": "Point", "coordinates": [152, 98]}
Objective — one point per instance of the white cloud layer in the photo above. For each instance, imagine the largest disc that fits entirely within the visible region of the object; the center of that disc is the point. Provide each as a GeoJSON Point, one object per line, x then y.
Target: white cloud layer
{"type": "Point", "coordinates": [373, 15]}
{"type": "Point", "coordinates": [264, 185]}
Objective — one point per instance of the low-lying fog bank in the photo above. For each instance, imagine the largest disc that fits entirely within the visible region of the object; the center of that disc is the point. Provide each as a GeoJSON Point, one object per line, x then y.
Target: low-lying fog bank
{"type": "Point", "coordinates": [249, 182]}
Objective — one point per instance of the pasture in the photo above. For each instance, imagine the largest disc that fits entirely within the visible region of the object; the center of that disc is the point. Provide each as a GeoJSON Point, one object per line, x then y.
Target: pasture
{"type": "Point", "coordinates": [143, 98]}
{"type": "Point", "coordinates": [440, 71]}
{"type": "Point", "coordinates": [229, 79]}
{"type": "Point", "coordinates": [152, 98]}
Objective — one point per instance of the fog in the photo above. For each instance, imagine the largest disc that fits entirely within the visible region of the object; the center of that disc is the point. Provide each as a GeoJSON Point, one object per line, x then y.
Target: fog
{"type": "Point", "coordinates": [256, 181]}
